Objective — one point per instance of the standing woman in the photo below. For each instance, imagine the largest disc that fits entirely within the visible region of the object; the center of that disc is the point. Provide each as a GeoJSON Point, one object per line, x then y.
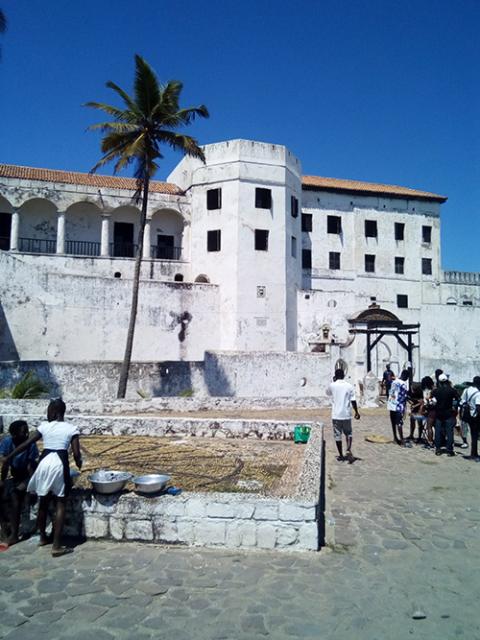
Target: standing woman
{"type": "Point", "coordinates": [52, 476]}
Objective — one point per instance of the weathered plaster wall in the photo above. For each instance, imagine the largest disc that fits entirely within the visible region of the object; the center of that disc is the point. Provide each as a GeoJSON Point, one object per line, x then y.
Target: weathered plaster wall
{"type": "Point", "coordinates": [240, 375]}
{"type": "Point", "coordinates": [55, 316]}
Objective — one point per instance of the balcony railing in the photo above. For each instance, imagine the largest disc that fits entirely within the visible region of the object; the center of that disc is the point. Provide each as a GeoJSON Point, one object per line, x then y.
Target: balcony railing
{"type": "Point", "coordinates": [82, 248]}
{"type": "Point", "coordinates": [166, 253]}
{"type": "Point", "coordinates": [461, 277]}
{"type": "Point", "coordinates": [36, 245]}
{"type": "Point", "coordinates": [4, 244]}
{"type": "Point", "coordinates": [123, 249]}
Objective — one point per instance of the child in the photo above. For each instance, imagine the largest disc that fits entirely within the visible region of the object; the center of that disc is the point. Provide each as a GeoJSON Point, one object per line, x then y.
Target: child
{"type": "Point", "coordinates": [21, 468]}
{"type": "Point", "coordinates": [52, 476]}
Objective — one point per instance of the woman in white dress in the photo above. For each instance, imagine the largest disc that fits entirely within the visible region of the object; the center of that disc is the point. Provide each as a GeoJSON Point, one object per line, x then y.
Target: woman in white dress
{"type": "Point", "coordinates": [52, 476]}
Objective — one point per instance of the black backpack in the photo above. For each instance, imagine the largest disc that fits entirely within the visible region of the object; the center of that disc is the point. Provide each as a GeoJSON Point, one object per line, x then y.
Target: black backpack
{"type": "Point", "coordinates": [465, 413]}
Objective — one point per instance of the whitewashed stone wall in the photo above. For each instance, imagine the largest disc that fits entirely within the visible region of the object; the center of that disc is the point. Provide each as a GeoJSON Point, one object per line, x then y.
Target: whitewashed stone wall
{"type": "Point", "coordinates": [56, 316]}
{"type": "Point", "coordinates": [226, 520]}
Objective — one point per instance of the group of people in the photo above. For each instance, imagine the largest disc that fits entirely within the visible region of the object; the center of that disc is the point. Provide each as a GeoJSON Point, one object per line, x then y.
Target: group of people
{"type": "Point", "coordinates": [434, 405]}
{"type": "Point", "coordinates": [47, 475]}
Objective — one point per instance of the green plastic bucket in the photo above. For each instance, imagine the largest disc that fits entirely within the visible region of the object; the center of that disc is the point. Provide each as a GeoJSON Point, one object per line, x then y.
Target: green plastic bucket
{"type": "Point", "coordinates": [301, 434]}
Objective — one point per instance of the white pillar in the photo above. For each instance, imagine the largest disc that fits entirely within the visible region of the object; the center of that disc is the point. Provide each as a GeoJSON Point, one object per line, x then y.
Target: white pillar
{"type": "Point", "coordinates": [147, 249]}
{"type": "Point", "coordinates": [104, 246]}
{"type": "Point", "coordinates": [14, 231]}
{"type": "Point", "coordinates": [61, 232]}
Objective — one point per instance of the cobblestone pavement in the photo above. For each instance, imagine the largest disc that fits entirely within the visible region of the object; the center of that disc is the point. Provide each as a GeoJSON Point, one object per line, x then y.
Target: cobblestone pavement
{"type": "Point", "coordinates": [403, 528]}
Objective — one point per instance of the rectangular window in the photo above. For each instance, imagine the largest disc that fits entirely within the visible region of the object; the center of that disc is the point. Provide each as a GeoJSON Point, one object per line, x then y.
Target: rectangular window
{"type": "Point", "coordinates": [214, 199]}
{"type": "Point", "coordinates": [306, 258]}
{"type": "Point", "coordinates": [399, 265]}
{"type": "Point", "coordinates": [427, 266]}
{"type": "Point", "coordinates": [467, 303]}
{"type": "Point", "coordinates": [293, 245]}
{"type": "Point", "coordinates": [263, 198]}
{"type": "Point", "coordinates": [399, 231]}
{"type": "Point", "coordinates": [294, 206]}
{"type": "Point", "coordinates": [334, 260]}
{"type": "Point", "coordinates": [427, 235]}
{"type": "Point", "coordinates": [214, 240]}
{"type": "Point", "coordinates": [402, 301]}
{"type": "Point", "coordinates": [261, 240]}
{"type": "Point", "coordinates": [306, 222]}
{"type": "Point", "coordinates": [369, 263]}
{"type": "Point", "coordinates": [334, 224]}
{"type": "Point", "coordinates": [371, 229]}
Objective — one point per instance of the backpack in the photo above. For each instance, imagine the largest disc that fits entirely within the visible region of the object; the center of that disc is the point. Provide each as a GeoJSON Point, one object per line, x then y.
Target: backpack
{"type": "Point", "coordinates": [465, 413]}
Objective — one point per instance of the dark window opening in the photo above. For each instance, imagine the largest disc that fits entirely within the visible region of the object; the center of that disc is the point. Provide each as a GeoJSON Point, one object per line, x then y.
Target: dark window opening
{"type": "Point", "coordinates": [117, 274]}
{"type": "Point", "coordinates": [369, 263]}
{"type": "Point", "coordinates": [214, 199]}
{"type": "Point", "coordinates": [307, 222]}
{"type": "Point", "coordinates": [306, 258]}
{"type": "Point", "coordinates": [334, 224]}
{"type": "Point", "coordinates": [202, 279]}
{"type": "Point", "coordinates": [399, 231]}
{"type": "Point", "coordinates": [263, 198]}
{"type": "Point", "coordinates": [467, 303]}
{"type": "Point", "coordinates": [293, 245]}
{"type": "Point", "coordinates": [261, 240]}
{"type": "Point", "coordinates": [402, 301]}
{"type": "Point", "coordinates": [371, 229]}
{"type": "Point", "coordinates": [165, 249]}
{"type": "Point", "coordinates": [427, 266]}
{"type": "Point", "coordinates": [334, 260]}
{"type": "Point", "coordinates": [214, 240]}
{"type": "Point", "coordinates": [427, 235]}
{"type": "Point", "coordinates": [294, 206]}
{"type": "Point", "coordinates": [399, 265]}
{"type": "Point", "coordinates": [123, 246]}
{"type": "Point", "coordinates": [5, 228]}
{"type": "Point", "coordinates": [178, 277]}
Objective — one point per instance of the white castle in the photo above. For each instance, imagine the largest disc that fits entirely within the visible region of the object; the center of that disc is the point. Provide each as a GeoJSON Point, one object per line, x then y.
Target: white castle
{"type": "Point", "coordinates": [242, 254]}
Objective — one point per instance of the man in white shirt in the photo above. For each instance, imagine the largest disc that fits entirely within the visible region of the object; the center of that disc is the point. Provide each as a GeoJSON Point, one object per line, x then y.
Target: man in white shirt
{"type": "Point", "coordinates": [342, 394]}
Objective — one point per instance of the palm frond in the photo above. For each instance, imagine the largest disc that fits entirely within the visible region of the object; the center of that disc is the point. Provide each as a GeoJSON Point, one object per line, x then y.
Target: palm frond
{"type": "Point", "coordinates": [118, 114]}
{"type": "Point", "coordinates": [3, 22]}
{"type": "Point", "coordinates": [130, 102]}
{"type": "Point", "coordinates": [147, 88]}
{"type": "Point", "coordinates": [181, 142]}
{"type": "Point", "coordinates": [118, 127]}
{"type": "Point", "coordinates": [29, 386]}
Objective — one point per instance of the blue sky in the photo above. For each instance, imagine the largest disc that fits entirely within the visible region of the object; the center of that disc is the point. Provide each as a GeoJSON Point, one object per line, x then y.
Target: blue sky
{"type": "Point", "coordinates": [385, 90]}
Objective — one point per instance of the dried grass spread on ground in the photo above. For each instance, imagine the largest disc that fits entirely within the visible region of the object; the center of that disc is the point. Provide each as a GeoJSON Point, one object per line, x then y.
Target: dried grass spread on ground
{"type": "Point", "coordinates": [199, 464]}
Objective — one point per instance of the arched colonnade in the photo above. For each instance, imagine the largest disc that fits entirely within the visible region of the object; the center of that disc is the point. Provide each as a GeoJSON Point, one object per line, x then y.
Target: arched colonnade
{"type": "Point", "coordinates": [83, 228]}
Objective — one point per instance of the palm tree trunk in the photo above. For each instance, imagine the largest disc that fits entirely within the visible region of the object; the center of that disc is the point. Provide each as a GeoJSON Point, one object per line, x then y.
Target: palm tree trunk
{"type": "Point", "coordinates": [122, 383]}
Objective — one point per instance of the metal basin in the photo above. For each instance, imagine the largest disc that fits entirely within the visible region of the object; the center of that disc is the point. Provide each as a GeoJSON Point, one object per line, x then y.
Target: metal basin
{"type": "Point", "coordinates": [109, 481]}
{"type": "Point", "coordinates": [151, 482]}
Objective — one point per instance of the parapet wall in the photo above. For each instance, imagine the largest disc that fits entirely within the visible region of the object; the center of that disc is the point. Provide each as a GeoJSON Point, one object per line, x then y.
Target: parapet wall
{"type": "Point", "coordinates": [265, 375]}
{"type": "Point", "coordinates": [230, 520]}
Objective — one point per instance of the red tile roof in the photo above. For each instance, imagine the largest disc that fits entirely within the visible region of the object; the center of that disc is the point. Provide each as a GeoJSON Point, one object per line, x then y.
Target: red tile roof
{"type": "Point", "coordinates": [88, 179]}
{"type": "Point", "coordinates": [318, 183]}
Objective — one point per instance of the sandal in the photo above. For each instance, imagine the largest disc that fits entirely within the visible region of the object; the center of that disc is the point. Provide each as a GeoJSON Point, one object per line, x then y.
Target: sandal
{"type": "Point", "coordinates": [63, 551]}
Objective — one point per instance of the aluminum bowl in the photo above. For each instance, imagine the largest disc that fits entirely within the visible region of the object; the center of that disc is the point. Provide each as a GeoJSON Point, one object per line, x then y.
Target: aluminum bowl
{"type": "Point", "coordinates": [151, 482]}
{"type": "Point", "coordinates": [109, 481]}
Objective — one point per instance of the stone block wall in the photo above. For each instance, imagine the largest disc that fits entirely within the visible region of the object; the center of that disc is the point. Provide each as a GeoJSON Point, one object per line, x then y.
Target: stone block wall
{"type": "Point", "coordinates": [230, 520]}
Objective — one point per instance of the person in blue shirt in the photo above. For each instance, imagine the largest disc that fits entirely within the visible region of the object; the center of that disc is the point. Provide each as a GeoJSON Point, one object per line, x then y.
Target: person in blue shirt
{"type": "Point", "coordinates": [21, 468]}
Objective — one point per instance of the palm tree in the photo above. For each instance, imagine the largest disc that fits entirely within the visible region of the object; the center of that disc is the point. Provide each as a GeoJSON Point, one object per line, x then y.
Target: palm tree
{"type": "Point", "coordinates": [147, 120]}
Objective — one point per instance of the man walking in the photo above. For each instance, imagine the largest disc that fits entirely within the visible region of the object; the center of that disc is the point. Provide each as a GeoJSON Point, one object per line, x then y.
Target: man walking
{"type": "Point", "coordinates": [396, 404]}
{"type": "Point", "coordinates": [471, 397]}
{"type": "Point", "coordinates": [342, 394]}
{"type": "Point", "coordinates": [446, 401]}
{"type": "Point", "coordinates": [388, 378]}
